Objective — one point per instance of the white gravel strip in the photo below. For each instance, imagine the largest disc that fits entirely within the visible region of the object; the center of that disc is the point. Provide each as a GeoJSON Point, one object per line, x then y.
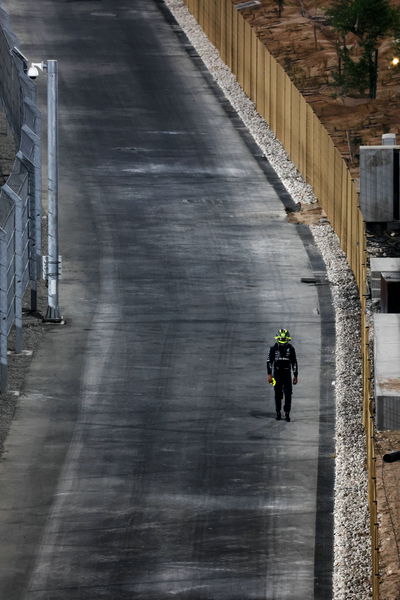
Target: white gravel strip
{"type": "Point", "coordinates": [352, 566]}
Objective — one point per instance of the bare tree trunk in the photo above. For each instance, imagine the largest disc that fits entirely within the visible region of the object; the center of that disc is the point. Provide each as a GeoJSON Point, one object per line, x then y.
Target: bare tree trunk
{"type": "Point", "coordinates": [373, 72]}
{"type": "Point", "coordinates": [280, 4]}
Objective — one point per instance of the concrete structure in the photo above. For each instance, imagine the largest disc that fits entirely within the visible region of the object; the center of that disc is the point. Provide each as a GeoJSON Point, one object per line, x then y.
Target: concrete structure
{"type": "Point", "coordinates": [380, 183]}
{"type": "Point", "coordinates": [379, 266]}
{"type": "Point", "coordinates": [389, 139]}
{"type": "Point", "coordinates": [390, 292]}
{"type": "Point", "coordinates": [387, 370]}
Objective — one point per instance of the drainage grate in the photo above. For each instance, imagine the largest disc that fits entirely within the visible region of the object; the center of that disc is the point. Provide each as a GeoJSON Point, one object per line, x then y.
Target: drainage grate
{"type": "Point", "coordinates": [248, 4]}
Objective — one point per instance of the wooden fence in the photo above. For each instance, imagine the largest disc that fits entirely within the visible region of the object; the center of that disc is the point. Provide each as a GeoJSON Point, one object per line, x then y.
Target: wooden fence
{"type": "Point", "coordinates": [312, 150]}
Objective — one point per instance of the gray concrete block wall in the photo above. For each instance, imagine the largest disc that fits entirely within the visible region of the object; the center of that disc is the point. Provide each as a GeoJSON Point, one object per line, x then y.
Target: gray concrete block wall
{"type": "Point", "coordinates": [387, 370]}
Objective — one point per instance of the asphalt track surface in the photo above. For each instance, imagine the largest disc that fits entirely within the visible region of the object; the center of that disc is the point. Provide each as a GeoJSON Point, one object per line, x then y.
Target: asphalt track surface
{"type": "Point", "coordinates": [144, 461]}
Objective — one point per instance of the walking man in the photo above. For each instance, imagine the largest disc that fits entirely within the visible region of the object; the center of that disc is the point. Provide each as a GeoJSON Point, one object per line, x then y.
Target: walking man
{"type": "Point", "coordinates": [280, 364]}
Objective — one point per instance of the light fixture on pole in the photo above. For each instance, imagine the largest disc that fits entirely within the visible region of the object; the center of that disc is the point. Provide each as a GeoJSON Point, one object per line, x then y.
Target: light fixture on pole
{"type": "Point", "coordinates": [52, 264]}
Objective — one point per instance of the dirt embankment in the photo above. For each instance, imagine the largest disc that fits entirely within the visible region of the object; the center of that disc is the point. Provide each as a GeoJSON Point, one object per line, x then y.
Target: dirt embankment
{"type": "Point", "coordinates": [388, 494]}
{"type": "Point", "coordinates": [306, 46]}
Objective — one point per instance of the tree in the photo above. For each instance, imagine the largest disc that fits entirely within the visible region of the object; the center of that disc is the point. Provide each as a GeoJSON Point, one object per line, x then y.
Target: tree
{"type": "Point", "coordinates": [369, 21]}
{"type": "Point", "coordinates": [280, 4]}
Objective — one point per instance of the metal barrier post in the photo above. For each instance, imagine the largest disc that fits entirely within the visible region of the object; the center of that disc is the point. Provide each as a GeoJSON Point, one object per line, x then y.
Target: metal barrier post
{"type": "Point", "coordinates": [53, 311]}
{"type": "Point", "coordinates": [18, 265]}
{"type": "Point", "coordinates": [37, 225]}
{"type": "Point", "coordinates": [3, 312]}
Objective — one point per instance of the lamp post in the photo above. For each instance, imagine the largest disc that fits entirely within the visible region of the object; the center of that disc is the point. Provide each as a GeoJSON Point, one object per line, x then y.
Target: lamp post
{"type": "Point", "coordinates": [53, 314]}
{"type": "Point", "coordinates": [53, 310]}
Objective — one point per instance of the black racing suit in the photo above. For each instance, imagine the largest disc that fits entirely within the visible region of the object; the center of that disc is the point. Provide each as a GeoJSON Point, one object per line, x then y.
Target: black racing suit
{"type": "Point", "coordinates": [281, 361]}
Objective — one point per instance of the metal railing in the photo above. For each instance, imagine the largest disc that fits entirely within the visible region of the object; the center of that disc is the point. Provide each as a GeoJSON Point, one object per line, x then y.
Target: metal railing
{"type": "Point", "coordinates": [20, 196]}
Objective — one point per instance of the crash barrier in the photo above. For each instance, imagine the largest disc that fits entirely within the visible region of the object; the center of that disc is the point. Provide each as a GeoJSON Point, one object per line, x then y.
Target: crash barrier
{"type": "Point", "coordinates": [20, 197]}
{"type": "Point", "coordinates": [311, 149]}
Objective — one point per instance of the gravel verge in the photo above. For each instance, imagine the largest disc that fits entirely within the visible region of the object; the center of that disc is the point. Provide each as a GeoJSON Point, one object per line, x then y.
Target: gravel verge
{"type": "Point", "coordinates": [352, 567]}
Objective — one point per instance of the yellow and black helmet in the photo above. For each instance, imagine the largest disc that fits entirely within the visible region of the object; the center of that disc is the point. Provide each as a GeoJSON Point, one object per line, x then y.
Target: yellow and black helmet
{"type": "Point", "coordinates": [283, 336]}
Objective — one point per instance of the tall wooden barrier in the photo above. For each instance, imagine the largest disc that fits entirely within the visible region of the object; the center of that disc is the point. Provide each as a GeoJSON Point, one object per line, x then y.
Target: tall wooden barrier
{"type": "Point", "coordinates": [312, 150]}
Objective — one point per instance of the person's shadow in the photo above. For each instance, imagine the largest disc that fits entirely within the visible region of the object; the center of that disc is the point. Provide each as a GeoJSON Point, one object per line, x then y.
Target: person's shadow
{"type": "Point", "coordinates": [261, 414]}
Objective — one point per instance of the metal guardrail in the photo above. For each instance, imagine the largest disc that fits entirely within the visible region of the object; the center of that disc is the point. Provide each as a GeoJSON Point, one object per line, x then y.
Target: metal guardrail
{"type": "Point", "coordinates": [20, 196]}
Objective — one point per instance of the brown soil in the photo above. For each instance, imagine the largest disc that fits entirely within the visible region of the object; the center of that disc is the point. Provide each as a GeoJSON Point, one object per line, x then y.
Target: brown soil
{"type": "Point", "coordinates": [305, 45]}
{"type": "Point", "coordinates": [388, 493]}
{"type": "Point", "coordinates": [307, 214]}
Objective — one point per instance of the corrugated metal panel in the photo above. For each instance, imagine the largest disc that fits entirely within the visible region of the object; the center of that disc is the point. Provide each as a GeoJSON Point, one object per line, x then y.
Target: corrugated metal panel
{"type": "Point", "coordinates": [388, 413]}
